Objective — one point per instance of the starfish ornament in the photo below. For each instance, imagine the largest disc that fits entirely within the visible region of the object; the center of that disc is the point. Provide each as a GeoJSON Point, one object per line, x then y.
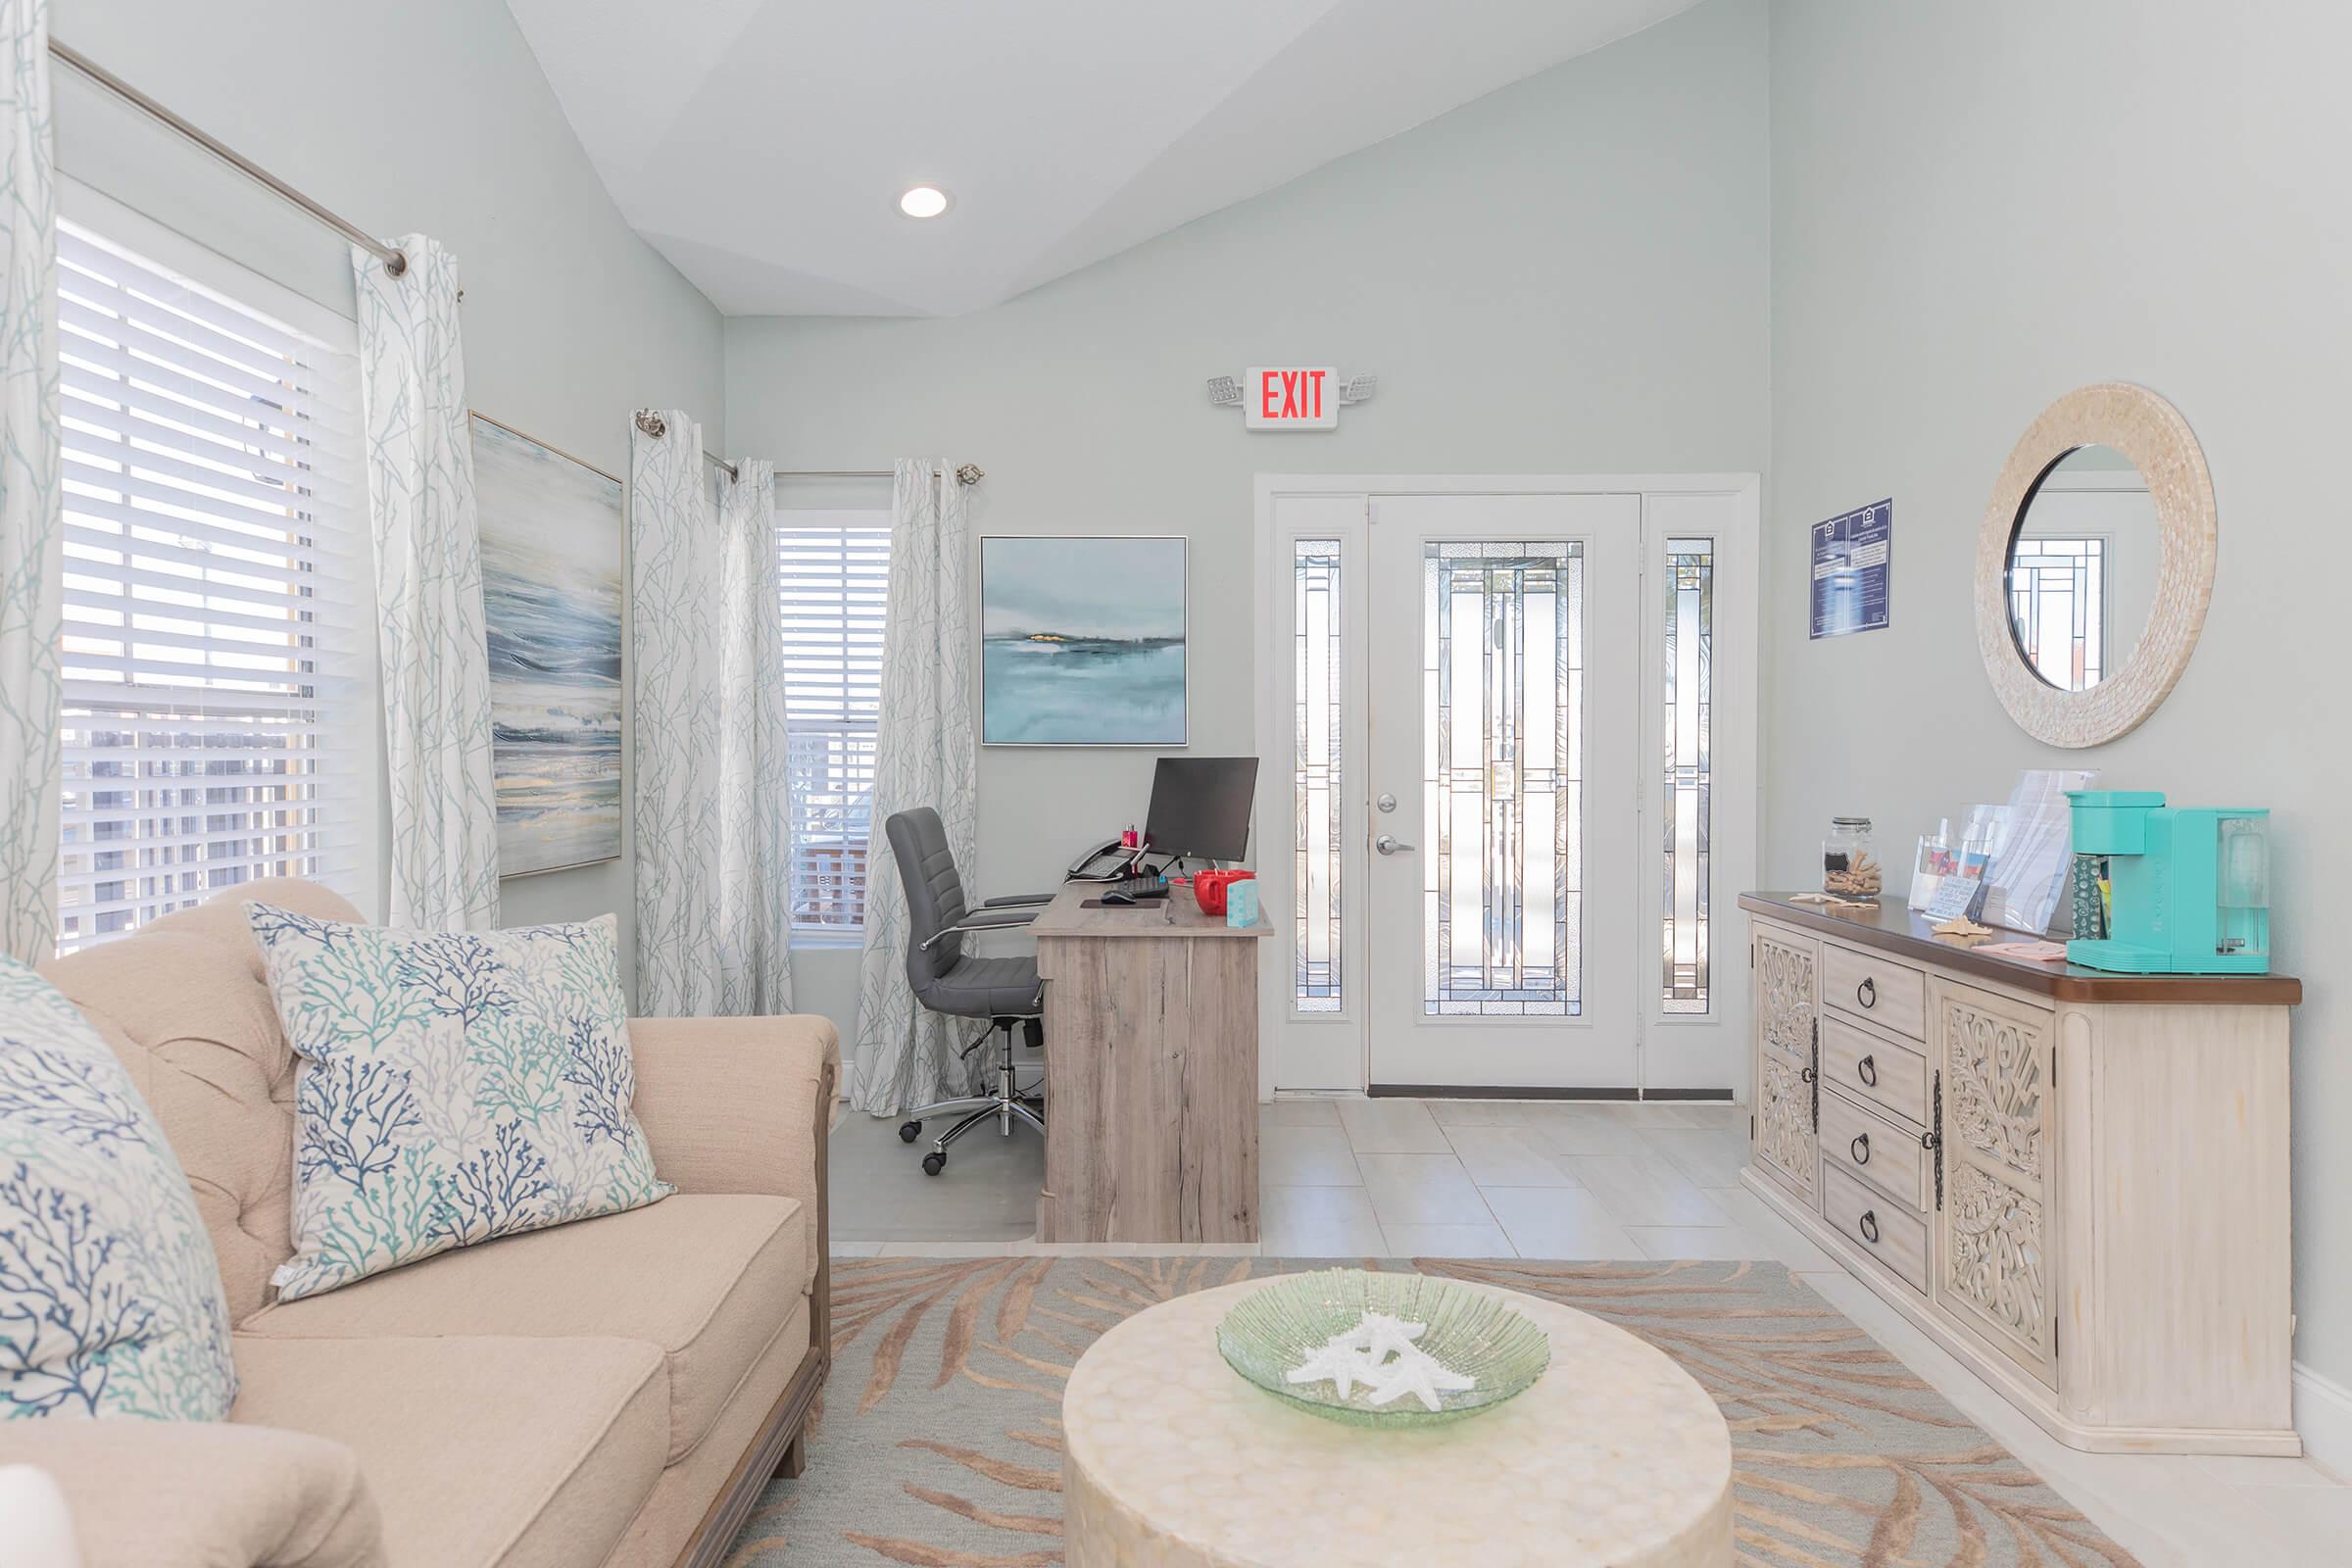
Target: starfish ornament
{"type": "Point", "coordinates": [1417, 1373]}
{"type": "Point", "coordinates": [1382, 1336]}
{"type": "Point", "coordinates": [1339, 1363]}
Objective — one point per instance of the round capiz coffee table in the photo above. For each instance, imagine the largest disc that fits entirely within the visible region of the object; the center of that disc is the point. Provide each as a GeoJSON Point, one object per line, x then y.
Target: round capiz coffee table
{"type": "Point", "coordinates": [1615, 1457]}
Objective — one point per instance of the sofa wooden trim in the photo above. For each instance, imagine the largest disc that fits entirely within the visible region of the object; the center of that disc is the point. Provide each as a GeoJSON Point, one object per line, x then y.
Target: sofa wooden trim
{"type": "Point", "coordinates": [781, 1446]}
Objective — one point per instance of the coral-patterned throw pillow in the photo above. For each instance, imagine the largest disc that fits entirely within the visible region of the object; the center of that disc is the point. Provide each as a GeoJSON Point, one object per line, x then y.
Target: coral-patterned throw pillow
{"type": "Point", "coordinates": [454, 1086]}
{"type": "Point", "coordinates": [110, 1295]}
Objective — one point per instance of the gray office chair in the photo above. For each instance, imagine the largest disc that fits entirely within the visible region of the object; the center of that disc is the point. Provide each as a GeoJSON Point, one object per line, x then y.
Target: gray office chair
{"type": "Point", "coordinates": [949, 981]}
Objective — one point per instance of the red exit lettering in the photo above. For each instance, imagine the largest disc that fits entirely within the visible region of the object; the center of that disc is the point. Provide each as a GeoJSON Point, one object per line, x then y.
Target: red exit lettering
{"type": "Point", "coordinates": [1298, 397]}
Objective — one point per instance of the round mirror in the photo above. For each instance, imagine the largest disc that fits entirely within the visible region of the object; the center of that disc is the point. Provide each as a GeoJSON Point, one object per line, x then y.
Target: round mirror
{"type": "Point", "coordinates": [2094, 564]}
{"type": "Point", "coordinates": [2081, 573]}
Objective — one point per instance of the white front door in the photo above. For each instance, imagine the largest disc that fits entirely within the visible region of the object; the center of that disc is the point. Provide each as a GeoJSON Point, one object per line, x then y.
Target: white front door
{"type": "Point", "coordinates": [1501, 890]}
{"type": "Point", "coordinates": [1519, 723]}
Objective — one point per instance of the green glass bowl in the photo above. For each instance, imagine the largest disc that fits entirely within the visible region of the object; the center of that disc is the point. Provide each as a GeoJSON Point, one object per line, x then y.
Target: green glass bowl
{"type": "Point", "coordinates": [1275, 1329]}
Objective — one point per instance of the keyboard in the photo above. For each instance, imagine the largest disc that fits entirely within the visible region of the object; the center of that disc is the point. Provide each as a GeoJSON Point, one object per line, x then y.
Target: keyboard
{"type": "Point", "coordinates": [1137, 887]}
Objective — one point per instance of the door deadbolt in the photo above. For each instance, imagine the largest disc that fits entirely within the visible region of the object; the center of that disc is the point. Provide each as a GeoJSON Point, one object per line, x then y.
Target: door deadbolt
{"type": "Point", "coordinates": [1386, 803]}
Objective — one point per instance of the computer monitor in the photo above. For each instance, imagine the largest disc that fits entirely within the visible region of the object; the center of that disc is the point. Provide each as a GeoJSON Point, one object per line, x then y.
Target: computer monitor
{"type": "Point", "coordinates": [1200, 806]}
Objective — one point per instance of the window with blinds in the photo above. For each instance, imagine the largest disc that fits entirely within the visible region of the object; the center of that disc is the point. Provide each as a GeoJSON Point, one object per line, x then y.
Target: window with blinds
{"type": "Point", "coordinates": [834, 577]}
{"type": "Point", "coordinates": [218, 649]}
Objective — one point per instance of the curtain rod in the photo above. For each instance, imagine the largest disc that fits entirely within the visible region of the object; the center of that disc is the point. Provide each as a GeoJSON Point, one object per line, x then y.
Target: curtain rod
{"type": "Point", "coordinates": [395, 260]}
{"type": "Point", "coordinates": [968, 474]}
{"type": "Point", "coordinates": [650, 420]}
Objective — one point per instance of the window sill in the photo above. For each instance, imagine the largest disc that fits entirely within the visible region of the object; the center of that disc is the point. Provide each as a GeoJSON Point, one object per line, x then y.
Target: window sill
{"type": "Point", "coordinates": [826, 938]}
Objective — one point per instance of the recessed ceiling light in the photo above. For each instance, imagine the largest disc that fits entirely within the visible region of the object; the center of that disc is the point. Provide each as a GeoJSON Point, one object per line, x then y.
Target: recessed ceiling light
{"type": "Point", "coordinates": [923, 201]}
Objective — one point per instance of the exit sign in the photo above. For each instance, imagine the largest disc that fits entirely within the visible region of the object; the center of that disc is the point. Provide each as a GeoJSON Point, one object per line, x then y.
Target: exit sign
{"type": "Point", "coordinates": [1290, 397]}
{"type": "Point", "coordinates": [1277, 397]}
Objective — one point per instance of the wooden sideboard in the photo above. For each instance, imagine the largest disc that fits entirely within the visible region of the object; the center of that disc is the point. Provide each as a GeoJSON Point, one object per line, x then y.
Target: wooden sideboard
{"type": "Point", "coordinates": [2074, 1182]}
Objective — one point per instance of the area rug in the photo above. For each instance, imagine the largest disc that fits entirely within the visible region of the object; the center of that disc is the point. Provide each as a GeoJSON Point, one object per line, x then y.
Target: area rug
{"type": "Point", "coordinates": [938, 1442]}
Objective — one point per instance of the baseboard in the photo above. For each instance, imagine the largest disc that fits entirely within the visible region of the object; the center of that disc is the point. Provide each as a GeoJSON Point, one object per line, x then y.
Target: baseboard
{"type": "Point", "coordinates": [2323, 1417]}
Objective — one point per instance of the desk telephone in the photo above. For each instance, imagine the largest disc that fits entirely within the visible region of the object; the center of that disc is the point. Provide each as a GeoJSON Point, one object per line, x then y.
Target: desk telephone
{"type": "Point", "coordinates": [1107, 862]}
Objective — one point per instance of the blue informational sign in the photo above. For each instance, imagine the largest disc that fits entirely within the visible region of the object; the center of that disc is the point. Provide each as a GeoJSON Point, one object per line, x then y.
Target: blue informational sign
{"type": "Point", "coordinates": [1852, 554]}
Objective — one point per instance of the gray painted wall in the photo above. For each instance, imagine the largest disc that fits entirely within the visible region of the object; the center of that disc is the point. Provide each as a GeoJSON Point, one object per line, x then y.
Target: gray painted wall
{"type": "Point", "coordinates": [1974, 209]}
{"type": "Point", "coordinates": [426, 115]}
{"type": "Point", "coordinates": [1566, 276]}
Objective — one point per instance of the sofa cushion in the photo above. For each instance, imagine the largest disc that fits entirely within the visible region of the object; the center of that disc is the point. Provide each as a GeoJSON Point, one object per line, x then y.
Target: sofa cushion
{"type": "Point", "coordinates": [109, 1298]}
{"type": "Point", "coordinates": [456, 1086]}
{"type": "Point", "coordinates": [703, 1278]}
{"type": "Point", "coordinates": [481, 1452]}
{"type": "Point", "coordinates": [182, 1003]}
{"type": "Point", "coordinates": [200, 1493]}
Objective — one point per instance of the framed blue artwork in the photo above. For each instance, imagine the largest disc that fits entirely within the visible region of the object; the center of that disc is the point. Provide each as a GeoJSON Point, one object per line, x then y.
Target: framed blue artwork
{"type": "Point", "coordinates": [550, 599]}
{"type": "Point", "coordinates": [1082, 640]}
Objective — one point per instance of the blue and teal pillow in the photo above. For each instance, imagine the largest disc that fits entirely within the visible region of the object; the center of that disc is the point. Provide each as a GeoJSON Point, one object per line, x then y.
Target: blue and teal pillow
{"type": "Point", "coordinates": [454, 1086]}
{"type": "Point", "coordinates": [110, 1295]}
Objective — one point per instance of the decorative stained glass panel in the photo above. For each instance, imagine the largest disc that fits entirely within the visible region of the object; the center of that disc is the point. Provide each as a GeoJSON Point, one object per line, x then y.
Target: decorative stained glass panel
{"type": "Point", "coordinates": [1690, 683]}
{"type": "Point", "coordinates": [1318, 677]}
{"type": "Point", "coordinates": [2057, 604]}
{"type": "Point", "coordinates": [1502, 693]}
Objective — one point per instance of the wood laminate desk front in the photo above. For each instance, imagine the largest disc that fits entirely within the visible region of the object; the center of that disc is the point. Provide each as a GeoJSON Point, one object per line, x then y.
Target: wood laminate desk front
{"type": "Point", "coordinates": [1150, 1072]}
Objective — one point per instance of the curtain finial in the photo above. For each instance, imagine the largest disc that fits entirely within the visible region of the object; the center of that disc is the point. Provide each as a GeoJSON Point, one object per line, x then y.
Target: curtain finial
{"type": "Point", "coordinates": [652, 424]}
{"type": "Point", "coordinates": [969, 474]}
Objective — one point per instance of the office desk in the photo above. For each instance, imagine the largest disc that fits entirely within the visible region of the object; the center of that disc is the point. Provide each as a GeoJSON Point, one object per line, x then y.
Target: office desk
{"type": "Point", "coordinates": [1151, 1072]}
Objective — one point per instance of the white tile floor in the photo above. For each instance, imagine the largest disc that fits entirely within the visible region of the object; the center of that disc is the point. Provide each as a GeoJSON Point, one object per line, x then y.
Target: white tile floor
{"type": "Point", "coordinates": [1354, 1178]}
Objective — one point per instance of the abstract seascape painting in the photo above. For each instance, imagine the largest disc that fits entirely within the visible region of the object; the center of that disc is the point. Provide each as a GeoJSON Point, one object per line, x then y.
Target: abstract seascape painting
{"type": "Point", "coordinates": [1082, 640]}
{"type": "Point", "coordinates": [551, 594]}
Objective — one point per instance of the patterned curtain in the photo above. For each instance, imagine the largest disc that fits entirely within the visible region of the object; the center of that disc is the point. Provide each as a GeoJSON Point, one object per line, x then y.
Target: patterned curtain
{"type": "Point", "coordinates": [31, 527]}
{"type": "Point", "coordinates": [428, 585]}
{"type": "Point", "coordinates": [754, 781]}
{"type": "Point", "coordinates": [714, 829]}
{"type": "Point", "coordinates": [923, 755]}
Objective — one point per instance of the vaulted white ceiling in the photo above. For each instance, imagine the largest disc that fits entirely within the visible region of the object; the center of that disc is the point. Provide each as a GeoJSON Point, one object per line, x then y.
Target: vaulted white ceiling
{"type": "Point", "coordinates": [761, 144]}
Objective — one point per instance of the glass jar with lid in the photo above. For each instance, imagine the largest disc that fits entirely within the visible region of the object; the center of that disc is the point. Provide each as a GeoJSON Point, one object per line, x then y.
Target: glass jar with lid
{"type": "Point", "coordinates": [1849, 859]}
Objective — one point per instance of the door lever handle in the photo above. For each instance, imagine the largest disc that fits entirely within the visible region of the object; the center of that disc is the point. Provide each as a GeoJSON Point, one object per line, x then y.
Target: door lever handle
{"type": "Point", "coordinates": [1387, 844]}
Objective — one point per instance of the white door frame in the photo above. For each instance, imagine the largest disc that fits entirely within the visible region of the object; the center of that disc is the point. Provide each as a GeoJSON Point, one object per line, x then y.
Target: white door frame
{"type": "Point", "coordinates": [1733, 756]}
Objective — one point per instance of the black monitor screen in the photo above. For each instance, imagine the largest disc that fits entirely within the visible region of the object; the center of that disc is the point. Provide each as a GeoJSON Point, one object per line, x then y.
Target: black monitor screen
{"type": "Point", "coordinates": [1200, 806]}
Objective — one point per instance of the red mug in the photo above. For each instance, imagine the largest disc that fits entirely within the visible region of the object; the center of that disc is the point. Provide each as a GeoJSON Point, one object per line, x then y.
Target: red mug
{"type": "Point", "coordinates": [1208, 888]}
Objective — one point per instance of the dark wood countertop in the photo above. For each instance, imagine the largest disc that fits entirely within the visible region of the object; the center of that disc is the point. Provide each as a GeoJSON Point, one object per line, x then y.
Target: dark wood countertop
{"type": "Point", "coordinates": [1892, 928]}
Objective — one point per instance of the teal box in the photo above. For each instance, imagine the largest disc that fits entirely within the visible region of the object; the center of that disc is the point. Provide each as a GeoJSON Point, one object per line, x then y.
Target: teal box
{"type": "Point", "coordinates": [1240, 902]}
{"type": "Point", "coordinates": [2189, 885]}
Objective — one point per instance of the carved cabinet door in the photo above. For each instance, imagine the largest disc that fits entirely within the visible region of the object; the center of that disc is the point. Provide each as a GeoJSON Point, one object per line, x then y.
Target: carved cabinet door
{"type": "Point", "coordinates": [1996, 1250]}
{"type": "Point", "coordinates": [1786, 1011]}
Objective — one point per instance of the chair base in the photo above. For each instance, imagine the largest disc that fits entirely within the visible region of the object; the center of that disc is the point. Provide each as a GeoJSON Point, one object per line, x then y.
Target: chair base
{"type": "Point", "coordinates": [1005, 1102]}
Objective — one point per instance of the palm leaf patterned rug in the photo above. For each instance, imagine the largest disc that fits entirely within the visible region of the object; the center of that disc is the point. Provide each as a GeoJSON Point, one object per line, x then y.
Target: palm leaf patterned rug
{"type": "Point", "coordinates": [938, 1441]}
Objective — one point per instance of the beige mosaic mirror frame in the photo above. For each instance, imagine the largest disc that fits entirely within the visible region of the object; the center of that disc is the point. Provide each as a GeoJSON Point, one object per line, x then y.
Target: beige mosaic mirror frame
{"type": "Point", "coordinates": [2151, 432]}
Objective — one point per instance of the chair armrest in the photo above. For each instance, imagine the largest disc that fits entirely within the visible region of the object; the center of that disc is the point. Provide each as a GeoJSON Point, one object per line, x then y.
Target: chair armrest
{"type": "Point", "coordinates": [741, 1106]}
{"type": "Point", "coordinates": [1004, 917]}
{"type": "Point", "coordinates": [202, 1494]}
{"type": "Point", "coordinates": [1011, 898]}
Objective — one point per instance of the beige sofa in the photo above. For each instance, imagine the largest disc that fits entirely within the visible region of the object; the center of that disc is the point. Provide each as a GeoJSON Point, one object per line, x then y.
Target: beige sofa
{"type": "Point", "coordinates": [615, 1392]}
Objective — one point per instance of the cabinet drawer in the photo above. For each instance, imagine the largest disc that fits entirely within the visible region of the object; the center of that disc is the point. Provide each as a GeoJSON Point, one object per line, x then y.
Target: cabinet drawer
{"type": "Point", "coordinates": [1874, 1068]}
{"type": "Point", "coordinates": [1893, 996]}
{"type": "Point", "coordinates": [1894, 1237]}
{"type": "Point", "coordinates": [1872, 1149]}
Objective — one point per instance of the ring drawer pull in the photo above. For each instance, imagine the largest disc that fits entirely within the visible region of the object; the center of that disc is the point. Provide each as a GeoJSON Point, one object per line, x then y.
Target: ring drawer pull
{"type": "Point", "coordinates": [1867, 1070]}
{"type": "Point", "coordinates": [1867, 992]}
{"type": "Point", "coordinates": [1860, 1148]}
{"type": "Point", "coordinates": [1869, 1226]}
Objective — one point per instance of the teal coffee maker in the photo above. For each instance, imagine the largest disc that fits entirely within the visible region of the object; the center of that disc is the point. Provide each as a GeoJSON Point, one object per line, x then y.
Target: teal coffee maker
{"type": "Point", "coordinates": [2190, 886]}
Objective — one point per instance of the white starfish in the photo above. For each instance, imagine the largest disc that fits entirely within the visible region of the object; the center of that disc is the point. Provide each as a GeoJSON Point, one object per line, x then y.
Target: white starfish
{"type": "Point", "coordinates": [1420, 1374]}
{"type": "Point", "coordinates": [1385, 1335]}
{"type": "Point", "coordinates": [1340, 1363]}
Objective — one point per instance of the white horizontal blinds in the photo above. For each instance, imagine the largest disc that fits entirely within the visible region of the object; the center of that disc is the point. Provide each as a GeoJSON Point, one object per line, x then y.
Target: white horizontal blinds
{"type": "Point", "coordinates": [218, 631]}
{"type": "Point", "coordinates": [834, 581]}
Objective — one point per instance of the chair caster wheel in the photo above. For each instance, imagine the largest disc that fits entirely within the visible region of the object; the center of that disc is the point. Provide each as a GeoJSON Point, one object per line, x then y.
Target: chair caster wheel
{"type": "Point", "coordinates": [934, 1162]}
{"type": "Point", "coordinates": [910, 1131]}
